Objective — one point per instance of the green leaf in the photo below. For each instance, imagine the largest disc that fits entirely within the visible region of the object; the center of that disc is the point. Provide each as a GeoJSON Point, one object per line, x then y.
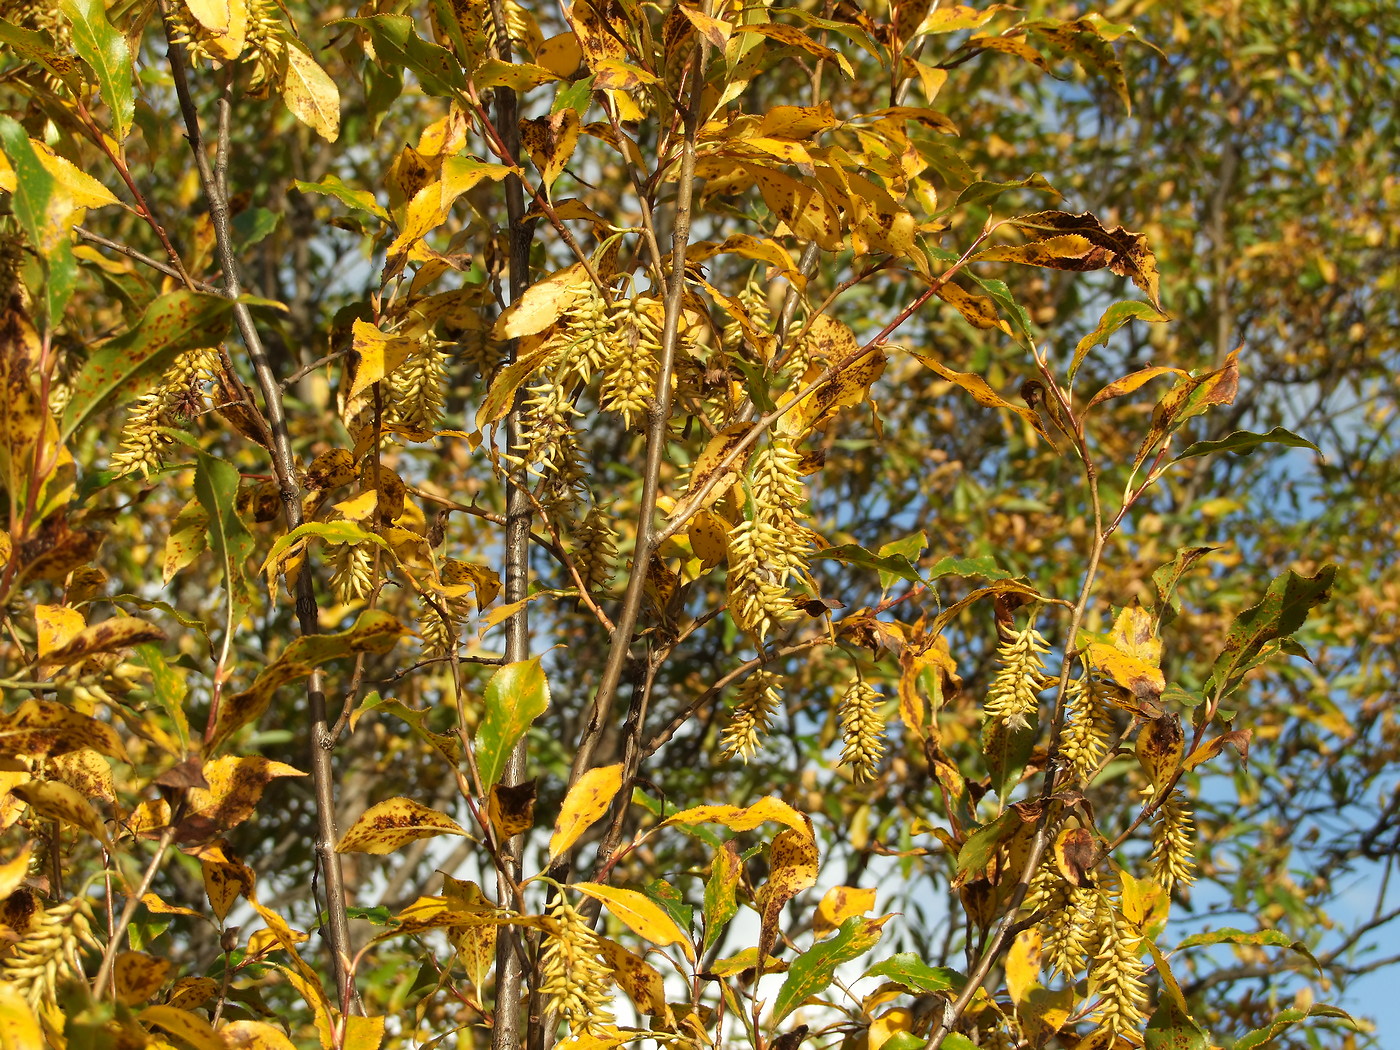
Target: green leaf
{"type": "Point", "coordinates": [183, 619]}
{"type": "Point", "coordinates": [984, 192]}
{"type": "Point", "coordinates": [1243, 443]}
{"type": "Point", "coordinates": [356, 200]}
{"type": "Point", "coordinates": [909, 548]}
{"type": "Point", "coordinates": [125, 367]}
{"type": "Point", "coordinates": [575, 96]}
{"type": "Point", "coordinates": [516, 695]}
{"type": "Point", "coordinates": [1288, 1018]}
{"type": "Point", "coordinates": [397, 44]}
{"type": "Point", "coordinates": [982, 843]}
{"type": "Point", "coordinates": [894, 566]}
{"type": "Point", "coordinates": [1114, 318]}
{"type": "Point", "coordinates": [216, 488]}
{"type": "Point", "coordinates": [35, 188]}
{"type": "Point", "coordinates": [373, 632]}
{"type": "Point", "coordinates": [330, 531]}
{"type": "Point", "coordinates": [914, 975]}
{"type": "Point", "coordinates": [721, 904]}
{"type": "Point", "coordinates": [1256, 938]}
{"type": "Point", "coordinates": [168, 686]}
{"type": "Point", "coordinates": [1278, 614]}
{"type": "Point", "coordinates": [1006, 751]}
{"type": "Point", "coordinates": [106, 52]}
{"type": "Point", "coordinates": [985, 567]}
{"type": "Point", "coordinates": [811, 972]}
{"type": "Point", "coordinates": [38, 47]}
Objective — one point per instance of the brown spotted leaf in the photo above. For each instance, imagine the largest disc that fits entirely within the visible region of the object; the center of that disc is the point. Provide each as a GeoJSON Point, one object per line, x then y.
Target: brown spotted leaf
{"type": "Point", "coordinates": [42, 728]}
{"type": "Point", "coordinates": [586, 801]}
{"type": "Point", "coordinates": [1126, 253]}
{"type": "Point", "coordinates": [57, 801]}
{"type": "Point", "coordinates": [137, 976]}
{"type": "Point", "coordinates": [792, 863]}
{"type": "Point", "coordinates": [550, 142]}
{"type": "Point", "coordinates": [235, 788]}
{"type": "Point", "coordinates": [1160, 744]}
{"type": "Point", "coordinates": [226, 877]}
{"type": "Point", "coordinates": [394, 823]}
{"type": "Point", "coordinates": [125, 367]}
{"type": "Point", "coordinates": [635, 976]}
{"type": "Point", "coordinates": [373, 632]}
{"type": "Point", "coordinates": [120, 632]}
{"type": "Point", "coordinates": [512, 809]}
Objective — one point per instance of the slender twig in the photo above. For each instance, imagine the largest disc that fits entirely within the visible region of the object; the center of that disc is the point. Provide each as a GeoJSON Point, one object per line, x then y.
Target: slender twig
{"type": "Point", "coordinates": [284, 467]}
{"type": "Point", "coordinates": [659, 417]}
{"type": "Point", "coordinates": [117, 933]}
{"type": "Point", "coordinates": [506, 1034]}
{"type": "Point", "coordinates": [142, 258]}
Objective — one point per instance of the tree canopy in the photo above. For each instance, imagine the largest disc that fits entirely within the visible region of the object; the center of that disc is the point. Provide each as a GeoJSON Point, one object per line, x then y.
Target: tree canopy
{"type": "Point", "coordinates": [697, 524]}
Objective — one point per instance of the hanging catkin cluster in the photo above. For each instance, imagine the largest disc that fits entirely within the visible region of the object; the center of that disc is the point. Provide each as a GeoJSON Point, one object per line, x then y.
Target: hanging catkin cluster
{"type": "Point", "coordinates": [594, 549]}
{"type": "Point", "coordinates": [862, 729]}
{"type": "Point", "coordinates": [754, 299]}
{"type": "Point", "coordinates": [1069, 932]}
{"type": "Point", "coordinates": [352, 571]}
{"type": "Point", "coordinates": [1013, 698]}
{"type": "Point", "coordinates": [575, 981]}
{"type": "Point", "coordinates": [417, 388]}
{"type": "Point", "coordinates": [49, 949]}
{"type": "Point", "coordinates": [1088, 728]}
{"type": "Point", "coordinates": [629, 372]}
{"type": "Point", "coordinates": [438, 620]}
{"type": "Point", "coordinates": [1173, 843]}
{"type": "Point", "coordinates": [752, 717]}
{"type": "Point", "coordinates": [264, 42]}
{"type": "Point", "coordinates": [178, 398]}
{"type": "Point", "coordinates": [1116, 974]}
{"type": "Point", "coordinates": [770, 547]}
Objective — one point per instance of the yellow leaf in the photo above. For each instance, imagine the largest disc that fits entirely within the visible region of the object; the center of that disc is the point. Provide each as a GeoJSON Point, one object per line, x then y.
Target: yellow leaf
{"type": "Point", "coordinates": [394, 823]}
{"type": "Point", "coordinates": [59, 802]}
{"type": "Point", "coordinates": [156, 906]}
{"type": "Point", "coordinates": [738, 818]}
{"type": "Point", "coordinates": [57, 625]}
{"type": "Point", "coordinates": [259, 1035]}
{"type": "Point", "coordinates": [19, 1028]}
{"type": "Point", "coordinates": [1023, 964]}
{"type": "Point", "coordinates": [363, 1033]}
{"type": "Point", "coordinates": [838, 904]}
{"type": "Point", "coordinates": [360, 507]}
{"type": "Point", "coordinates": [543, 303]}
{"type": "Point", "coordinates": [586, 801]}
{"type": "Point", "coordinates": [379, 354]}
{"type": "Point", "coordinates": [1160, 745]}
{"type": "Point", "coordinates": [138, 976]}
{"type": "Point", "coordinates": [647, 919]}
{"type": "Point", "coordinates": [310, 93]}
{"type": "Point", "coordinates": [183, 1024]}
{"type": "Point", "coordinates": [13, 872]}
{"type": "Point", "coordinates": [709, 538]}
{"type": "Point", "coordinates": [1142, 679]}
{"type": "Point", "coordinates": [1134, 632]}
{"type": "Point", "coordinates": [83, 190]}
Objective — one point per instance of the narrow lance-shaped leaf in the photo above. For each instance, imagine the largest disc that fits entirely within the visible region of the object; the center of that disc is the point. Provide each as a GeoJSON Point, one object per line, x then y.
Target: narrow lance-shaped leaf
{"type": "Point", "coordinates": [216, 488]}
{"type": "Point", "coordinates": [586, 801]}
{"type": "Point", "coordinates": [812, 971]}
{"type": "Point", "coordinates": [127, 366]}
{"type": "Point", "coordinates": [516, 695]}
{"type": "Point", "coordinates": [105, 51]}
{"type": "Point", "coordinates": [1278, 614]}
{"type": "Point", "coordinates": [1243, 443]}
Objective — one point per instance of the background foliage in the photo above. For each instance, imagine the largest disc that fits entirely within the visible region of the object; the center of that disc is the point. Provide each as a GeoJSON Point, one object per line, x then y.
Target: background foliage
{"type": "Point", "coordinates": [696, 524]}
